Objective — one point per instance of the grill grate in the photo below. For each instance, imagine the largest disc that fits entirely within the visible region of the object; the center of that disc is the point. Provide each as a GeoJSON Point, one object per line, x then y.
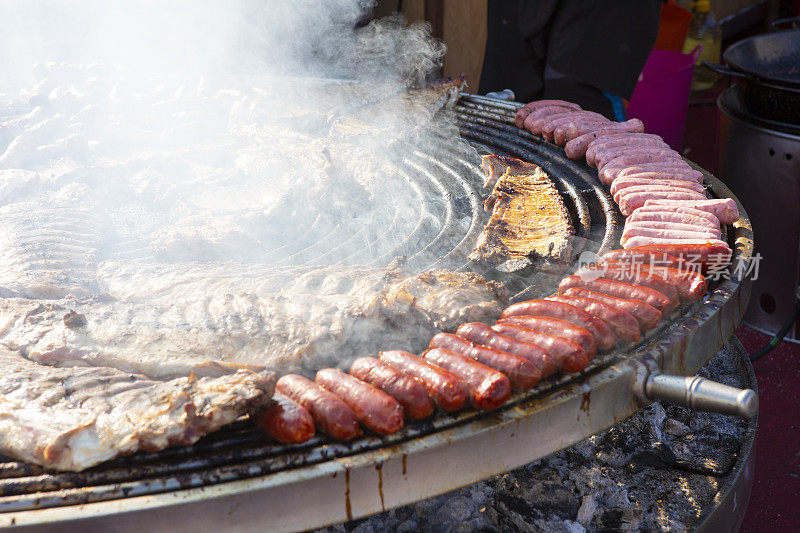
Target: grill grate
{"type": "Point", "coordinates": [440, 171]}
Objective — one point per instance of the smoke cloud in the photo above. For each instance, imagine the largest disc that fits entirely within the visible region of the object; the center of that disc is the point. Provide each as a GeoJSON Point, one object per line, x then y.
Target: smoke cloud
{"type": "Point", "coordinates": [269, 132]}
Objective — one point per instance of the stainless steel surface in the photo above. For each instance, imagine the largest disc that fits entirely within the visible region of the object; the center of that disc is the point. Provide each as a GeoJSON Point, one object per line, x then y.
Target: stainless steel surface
{"type": "Point", "coordinates": [701, 394]}
{"type": "Point", "coordinates": [762, 167]}
{"type": "Point", "coordinates": [240, 482]}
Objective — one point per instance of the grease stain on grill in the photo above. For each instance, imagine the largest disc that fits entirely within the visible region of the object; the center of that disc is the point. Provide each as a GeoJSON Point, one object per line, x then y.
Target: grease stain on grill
{"type": "Point", "coordinates": [586, 401]}
{"type": "Point", "coordinates": [347, 507]}
{"type": "Point", "coordinates": [379, 468]}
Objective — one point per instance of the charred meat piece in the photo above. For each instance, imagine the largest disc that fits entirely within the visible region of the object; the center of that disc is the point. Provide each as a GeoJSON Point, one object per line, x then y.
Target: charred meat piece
{"type": "Point", "coordinates": [528, 219]}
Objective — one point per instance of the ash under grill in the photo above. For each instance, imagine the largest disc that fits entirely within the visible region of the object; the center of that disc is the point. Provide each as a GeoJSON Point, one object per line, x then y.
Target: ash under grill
{"type": "Point", "coordinates": [441, 172]}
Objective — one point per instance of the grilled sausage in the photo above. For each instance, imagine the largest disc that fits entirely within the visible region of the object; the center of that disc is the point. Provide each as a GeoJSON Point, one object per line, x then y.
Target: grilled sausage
{"type": "Point", "coordinates": [690, 284]}
{"type": "Point", "coordinates": [632, 273]}
{"type": "Point", "coordinates": [628, 202]}
{"type": "Point", "coordinates": [645, 314]}
{"type": "Point", "coordinates": [646, 154]}
{"type": "Point", "coordinates": [286, 421]}
{"type": "Point", "coordinates": [409, 392]}
{"type": "Point", "coordinates": [638, 242]}
{"type": "Point", "coordinates": [522, 373]}
{"type": "Point", "coordinates": [602, 333]}
{"type": "Point", "coordinates": [627, 139]}
{"type": "Point", "coordinates": [618, 289]}
{"type": "Point", "coordinates": [538, 126]}
{"type": "Point", "coordinates": [449, 392]}
{"type": "Point", "coordinates": [484, 335]}
{"type": "Point", "coordinates": [697, 254]}
{"type": "Point", "coordinates": [331, 415]}
{"type": "Point", "coordinates": [577, 117]}
{"type": "Point", "coordinates": [630, 183]}
{"type": "Point", "coordinates": [624, 324]}
{"type": "Point", "coordinates": [681, 168]}
{"type": "Point", "coordinates": [527, 109]}
{"type": "Point", "coordinates": [614, 171]}
{"type": "Point", "coordinates": [647, 176]}
{"type": "Point", "coordinates": [632, 198]}
{"type": "Point", "coordinates": [724, 209]}
{"type": "Point", "coordinates": [543, 113]}
{"type": "Point", "coordinates": [489, 388]}
{"type": "Point", "coordinates": [561, 132]}
{"type": "Point", "coordinates": [611, 150]}
{"type": "Point", "coordinates": [644, 257]}
{"type": "Point", "coordinates": [576, 147]}
{"type": "Point", "coordinates": [374, 408]}
{"type": "Point", "coordinates": [685, 210]}
{"type": "Point", "coordinates": [703, 226]}
{"type": "Point", "coordinates": [557, 327]}
{"type": "Point", "coordinates": [630, 126]}
{"type": "Point", "coordinates": [643, 230]}
{"type": "Point", "coordinates": [669, 217]}
{"type": "Point", "coordinates": [569, 356]}
{"type": "Point", "coordinates": [631, 159]}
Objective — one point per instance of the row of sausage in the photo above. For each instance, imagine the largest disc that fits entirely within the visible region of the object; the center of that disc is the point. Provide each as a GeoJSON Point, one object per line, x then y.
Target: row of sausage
{"type": "Point", "coordinates": [597, 308]}
{"type": "Point", "coordinates": [662, 195]}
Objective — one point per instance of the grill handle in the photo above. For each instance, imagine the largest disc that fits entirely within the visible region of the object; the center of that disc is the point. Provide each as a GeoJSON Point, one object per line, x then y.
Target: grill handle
{"type": "Point", "coordinates": [701, 394]}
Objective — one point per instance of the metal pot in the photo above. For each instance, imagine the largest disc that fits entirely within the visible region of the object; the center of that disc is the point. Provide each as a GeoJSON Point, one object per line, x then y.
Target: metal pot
{"type": "Point", "coordinates": [767, 67]}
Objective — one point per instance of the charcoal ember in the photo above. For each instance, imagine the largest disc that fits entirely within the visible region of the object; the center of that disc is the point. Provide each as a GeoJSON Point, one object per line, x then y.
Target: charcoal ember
{"type": "Point", "coordinates": [617, 519]}
{"type": "Point", "coordinates": [675, 428]}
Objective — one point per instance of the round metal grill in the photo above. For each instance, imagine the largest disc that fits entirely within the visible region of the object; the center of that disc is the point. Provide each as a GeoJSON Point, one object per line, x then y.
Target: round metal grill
{"type": "Point", "coordinates": [436, 172]}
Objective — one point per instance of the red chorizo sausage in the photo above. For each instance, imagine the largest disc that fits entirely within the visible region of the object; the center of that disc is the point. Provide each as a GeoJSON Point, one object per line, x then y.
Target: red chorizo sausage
{"type": "Point", "coordinates": [489, 388]}
{"type": "Point", "coordinates": [331, 415]}
{"type": "Point", "coordinates": [374, 408]}
{"type": "Point", "coordinates": [448, 391]}
{"type": "Point", "coordinates": [285, 420]}
{"type": "Point", "coordinates": [483, 334]}
{"type": "Point", "coordinates": [570, 313]}
{"type": "Point", "coordinates": [559, 328]}
{"type": "Point", "coordinates": [409, 392]}
{"type": "Point", "coordinates": [618, 289]}
{"type": "Point", "coordinates": [704, 254]}
{"type": "Point", "coordinates": [688, 282]}
{"type": "Point", "coordinates": [623, 323]}
{"type": "Point", "coordinates": [632, 273]}
{"type": "Point", "coordinates": [569, 356]}
{"type": "Point", "coordinates": [644, 257]}
{"type": "Point", "coordinates": [646, 315]}
{"type": "Point", "coordinates": [522, 373]}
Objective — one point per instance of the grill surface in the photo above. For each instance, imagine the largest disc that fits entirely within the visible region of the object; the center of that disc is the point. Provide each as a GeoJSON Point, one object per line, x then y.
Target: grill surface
{"type": "Point", "coordinates": [240, 451]}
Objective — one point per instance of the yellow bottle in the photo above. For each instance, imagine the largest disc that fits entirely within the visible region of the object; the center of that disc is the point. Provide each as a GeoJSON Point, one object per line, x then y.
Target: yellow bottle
{"type": "Point", "coordinates": [704, 31]}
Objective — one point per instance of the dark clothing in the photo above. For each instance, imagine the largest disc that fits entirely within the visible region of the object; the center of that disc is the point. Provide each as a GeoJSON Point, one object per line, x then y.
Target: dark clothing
{"type": "Point", "coordinates": [593, 47]}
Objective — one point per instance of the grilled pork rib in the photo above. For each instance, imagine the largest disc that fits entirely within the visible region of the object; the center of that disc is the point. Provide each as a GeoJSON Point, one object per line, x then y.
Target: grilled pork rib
{"type": "Point", "coordinates": [76, 417]}
{"type": "Point", "coordinates": [528, 218]}
{"type": "Point", "coordinates": [209, 319]}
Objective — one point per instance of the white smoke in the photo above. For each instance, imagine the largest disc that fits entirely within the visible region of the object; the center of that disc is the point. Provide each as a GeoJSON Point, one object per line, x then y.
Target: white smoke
{"type": "Point", "coordinates": [206, 130]}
